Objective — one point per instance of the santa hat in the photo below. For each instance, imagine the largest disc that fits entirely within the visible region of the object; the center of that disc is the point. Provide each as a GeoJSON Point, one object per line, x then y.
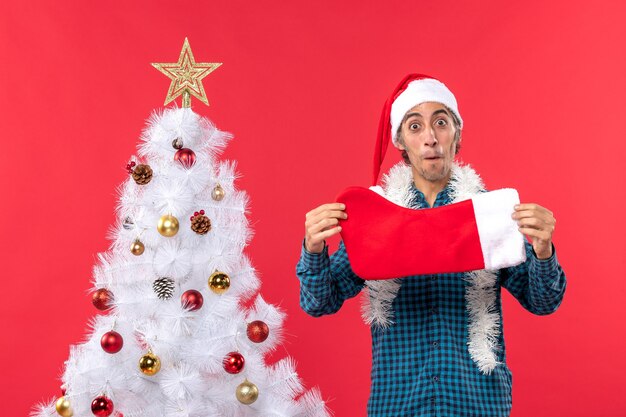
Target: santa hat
{"type": "Point", "coordinates": [412, 90]}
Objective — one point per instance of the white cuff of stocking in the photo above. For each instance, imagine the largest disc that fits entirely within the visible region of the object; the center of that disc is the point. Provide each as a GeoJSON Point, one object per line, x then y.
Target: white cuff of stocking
{"type": "Point", "coordinates": [501, 241]}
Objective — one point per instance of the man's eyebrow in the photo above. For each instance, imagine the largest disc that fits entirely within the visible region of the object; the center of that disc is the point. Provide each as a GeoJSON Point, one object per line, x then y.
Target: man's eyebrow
{"type": "Point", "coordinates": [409, 115]}
{"type": "Point", "coordinates": [441, 111]}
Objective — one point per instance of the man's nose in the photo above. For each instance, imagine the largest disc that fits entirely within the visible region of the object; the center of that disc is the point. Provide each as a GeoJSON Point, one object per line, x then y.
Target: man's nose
{"type": "Point", "coordinates": [430, 138]}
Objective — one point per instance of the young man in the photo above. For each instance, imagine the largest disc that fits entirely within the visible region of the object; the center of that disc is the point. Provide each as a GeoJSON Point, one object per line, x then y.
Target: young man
{"type": "Point", "coordinates": [437, 341]}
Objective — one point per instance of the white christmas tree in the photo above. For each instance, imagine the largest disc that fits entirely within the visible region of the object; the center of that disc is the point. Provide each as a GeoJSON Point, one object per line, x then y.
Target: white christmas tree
{"type": "Point", "coordinates": [175, 338]}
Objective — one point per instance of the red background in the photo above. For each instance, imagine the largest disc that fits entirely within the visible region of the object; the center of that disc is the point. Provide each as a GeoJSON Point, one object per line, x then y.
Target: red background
{"type": "Point", "coordinates": [540, 85]}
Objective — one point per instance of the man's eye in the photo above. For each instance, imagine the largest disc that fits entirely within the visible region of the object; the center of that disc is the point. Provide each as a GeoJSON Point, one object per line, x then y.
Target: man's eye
{"type": "Point", "coordinates": [414, 126]}
{"type": "Point", "coordinates": [441, 122]}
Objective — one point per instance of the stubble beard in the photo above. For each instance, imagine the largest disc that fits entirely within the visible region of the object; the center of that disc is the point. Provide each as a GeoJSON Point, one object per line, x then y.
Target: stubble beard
{"type": "Point", "coordinates": [435, 175]}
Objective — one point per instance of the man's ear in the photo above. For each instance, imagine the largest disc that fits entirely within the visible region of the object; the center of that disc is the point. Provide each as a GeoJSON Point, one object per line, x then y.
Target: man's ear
{"type": "Point", "coordinates": [399, 143]}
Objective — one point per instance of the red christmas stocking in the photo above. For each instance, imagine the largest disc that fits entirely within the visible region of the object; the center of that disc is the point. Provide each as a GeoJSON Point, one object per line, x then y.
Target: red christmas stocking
{"type": "Point", "coordinates": [384, 240]}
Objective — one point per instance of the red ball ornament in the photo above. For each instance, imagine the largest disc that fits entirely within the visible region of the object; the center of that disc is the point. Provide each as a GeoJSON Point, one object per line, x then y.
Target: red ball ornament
{"type": "Point", "coordinates": [192, 300]}
{"type": "Point", "coordinates": [102, 299]}
{"type": "Point", "coordinates": [102, 406]}
{"type": "Point", "coordinates": [112, 342]}
{"type": "Point", "coordinates": [233, 362]}
{"type": "Point", "coordinates": [258, 331]}
{"type": "Point", "coordinates": [186, 157]}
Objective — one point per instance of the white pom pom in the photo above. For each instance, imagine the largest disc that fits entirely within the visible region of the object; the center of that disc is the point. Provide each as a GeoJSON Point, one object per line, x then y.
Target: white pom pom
{"type": "Point", "coordinates": [313, 405]}
{"type": "Point", "coordinates": [285, 381]}
{"type": "Point", "coordinates": [181, 381]}
{"type": "Point", "coordinates": [170, 196]}
{"type": "Point", "coordinates": [44, 410]}
{"type": "Point", "coordinates": [172, 260]}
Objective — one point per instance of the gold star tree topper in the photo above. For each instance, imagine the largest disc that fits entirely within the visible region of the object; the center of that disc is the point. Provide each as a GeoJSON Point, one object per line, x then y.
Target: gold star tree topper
{"type": "Point", "coordinates": [186, 76]}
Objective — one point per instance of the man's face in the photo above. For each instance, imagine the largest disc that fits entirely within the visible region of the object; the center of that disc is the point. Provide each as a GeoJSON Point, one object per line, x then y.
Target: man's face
{"type": "Point", "coordinates": [428, 132]}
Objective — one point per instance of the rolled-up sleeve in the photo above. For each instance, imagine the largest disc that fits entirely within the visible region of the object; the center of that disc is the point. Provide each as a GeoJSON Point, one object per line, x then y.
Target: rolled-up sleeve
{"type": "Point", "coordinates": [538, 284]}
{"type": "Point", "coordinates": [326, 282]}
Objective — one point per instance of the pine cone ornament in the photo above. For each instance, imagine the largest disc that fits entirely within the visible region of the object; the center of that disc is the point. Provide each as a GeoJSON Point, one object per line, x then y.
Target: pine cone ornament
{"type": "Point", "coordinates": [164, 288]}
{"type": "Point", "coordinates": [200, 223]}
{"type": "Point", "coordinates": [142, 174]}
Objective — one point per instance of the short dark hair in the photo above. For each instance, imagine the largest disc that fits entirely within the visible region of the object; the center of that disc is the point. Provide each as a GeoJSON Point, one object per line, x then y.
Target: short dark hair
{"type": "Point", "coordinates": [457, 135]}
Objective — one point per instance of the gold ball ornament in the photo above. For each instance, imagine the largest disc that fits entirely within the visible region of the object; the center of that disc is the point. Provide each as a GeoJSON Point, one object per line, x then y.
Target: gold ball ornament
{"type": "Point", "coordinates": [168, 225]}
{"type": "Point", "coordinates": [219, 282]}
{"type": "Point", "coordinates": [247, 392]}
{"type": "Point", "coordinates": [150, 364]}
{"type": "Point", "coordinates": [64, 408]}
{"type": "Point", "coordinates": [137, 248]}
{"type": "Point", "coordinates": [218, 193]}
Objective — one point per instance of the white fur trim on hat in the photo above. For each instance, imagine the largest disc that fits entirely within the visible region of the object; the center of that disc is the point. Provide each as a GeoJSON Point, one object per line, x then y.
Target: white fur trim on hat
{"type": "Point", "coordinates": [417, 92]}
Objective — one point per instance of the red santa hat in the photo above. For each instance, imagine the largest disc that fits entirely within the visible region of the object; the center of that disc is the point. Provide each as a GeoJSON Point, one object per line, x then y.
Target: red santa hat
{"type": "Point", "coordinates": [414, 89]}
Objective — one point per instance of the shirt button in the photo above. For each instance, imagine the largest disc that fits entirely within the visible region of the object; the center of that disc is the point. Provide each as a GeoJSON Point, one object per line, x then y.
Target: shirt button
{"type": "Point", "coordinates": [433, 310]}
{"type": "Point", "coordinates": [433, 277]}
{"type": "Point", "coordinates": [436, 378]}
{"type": "Point", "coordinates": [435, 344]}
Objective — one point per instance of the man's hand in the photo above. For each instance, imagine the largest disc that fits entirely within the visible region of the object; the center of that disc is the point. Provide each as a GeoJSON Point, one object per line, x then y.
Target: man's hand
{"type": "Point", "coordinates": [538, 223]}
{"type": "Point", "coordinates": [321, 223]}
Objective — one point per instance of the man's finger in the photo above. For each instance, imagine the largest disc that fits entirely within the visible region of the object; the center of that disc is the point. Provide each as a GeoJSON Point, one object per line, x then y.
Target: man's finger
{"type": "Point", "coordinates": [532, 206]}
{"type": "Point", "coordinates": [539, 234]}
{"type": "Point", "coordinates": [533, 222]}
{"type": "Point", "coordinates": [322, 225]}
{"type": "Point", "coordinates": [323, 207]}
{"type": "Point", "coordinates": [531, 213]}
{"type": "Point", "coordinates": [330, 214]}
{"type": "Point", "coordinates": [327, 233]}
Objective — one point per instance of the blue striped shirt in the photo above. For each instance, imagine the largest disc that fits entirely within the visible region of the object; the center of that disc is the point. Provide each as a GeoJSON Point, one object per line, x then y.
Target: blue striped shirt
{"type": "Point", "coordinates": [420, 364]}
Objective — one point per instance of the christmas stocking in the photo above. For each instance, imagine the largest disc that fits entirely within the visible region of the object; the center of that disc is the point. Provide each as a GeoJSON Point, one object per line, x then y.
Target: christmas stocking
{"type": "Point", "coordinates": [384, 240]}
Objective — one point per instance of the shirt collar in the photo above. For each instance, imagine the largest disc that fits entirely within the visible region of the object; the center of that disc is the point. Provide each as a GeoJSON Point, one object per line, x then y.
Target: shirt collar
{"type": "Point", "coordinates": [419, 199]}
